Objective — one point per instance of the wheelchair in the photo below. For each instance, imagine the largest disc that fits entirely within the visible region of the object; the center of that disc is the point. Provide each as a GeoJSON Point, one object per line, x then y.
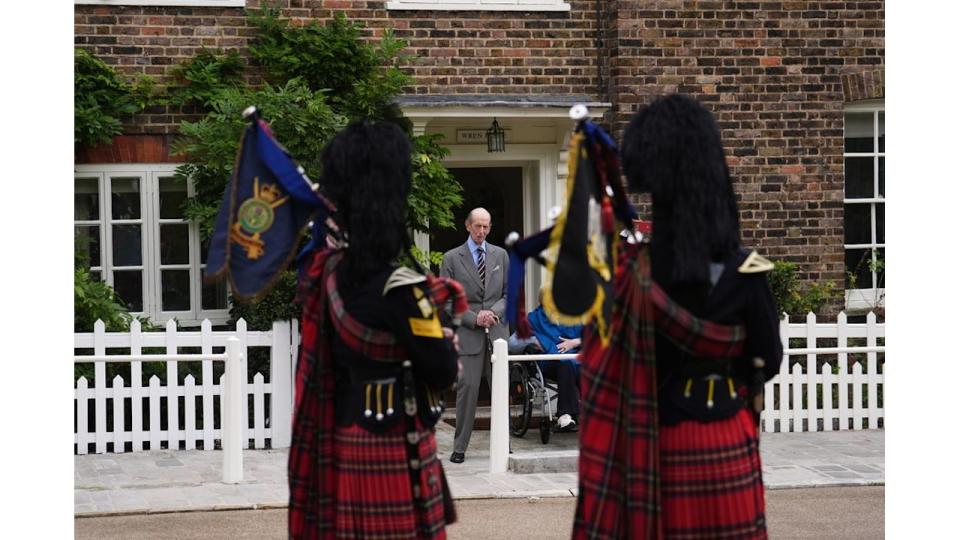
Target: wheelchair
{"type": "Point", "coordinates": [528, 385]}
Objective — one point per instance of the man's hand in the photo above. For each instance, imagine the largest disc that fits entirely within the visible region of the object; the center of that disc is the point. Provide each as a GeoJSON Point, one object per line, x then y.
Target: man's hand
{"type": "Point", "coordinates": [452, 336]}
{"type": "Point", "coordinates": [486, 318]}
{"type": "Point", "coordinates": [567, 345]}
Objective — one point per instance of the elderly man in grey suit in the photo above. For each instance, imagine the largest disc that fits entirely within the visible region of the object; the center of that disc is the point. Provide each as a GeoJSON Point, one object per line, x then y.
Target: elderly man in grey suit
{"type": "Point", "coordinates": [482, 270]}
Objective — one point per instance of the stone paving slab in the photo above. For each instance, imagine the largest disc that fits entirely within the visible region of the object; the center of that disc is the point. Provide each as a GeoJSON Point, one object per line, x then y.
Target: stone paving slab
{"type": "Point", "coordinates": [189, 480]}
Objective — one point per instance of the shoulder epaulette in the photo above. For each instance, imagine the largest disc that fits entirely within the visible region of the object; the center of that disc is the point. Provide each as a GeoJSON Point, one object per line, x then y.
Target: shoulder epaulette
{"type": "Point", "coordinates": [754, 264]}
{"type": "Point", "coordinates": [402, 276]}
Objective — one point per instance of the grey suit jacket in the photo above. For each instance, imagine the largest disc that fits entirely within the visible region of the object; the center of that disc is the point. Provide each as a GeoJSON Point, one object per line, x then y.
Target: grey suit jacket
{"type": "Point", "coordinates": [458, 264]}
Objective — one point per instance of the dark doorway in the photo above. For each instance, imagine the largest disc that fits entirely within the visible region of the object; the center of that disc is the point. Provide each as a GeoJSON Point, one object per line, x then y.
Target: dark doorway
{"type": "Point", "coordinates": [499, 190]}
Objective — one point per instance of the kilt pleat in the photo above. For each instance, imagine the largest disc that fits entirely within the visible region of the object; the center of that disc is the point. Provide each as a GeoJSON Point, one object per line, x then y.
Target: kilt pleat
{"type": "Point", "coordinates": [711, 482]}
{"type": "Point", "coordinates": [374, 499]}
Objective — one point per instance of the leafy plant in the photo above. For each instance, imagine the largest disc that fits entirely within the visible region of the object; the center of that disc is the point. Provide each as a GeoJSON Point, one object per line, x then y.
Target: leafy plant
{"type": "Point", "coordinates": [94, 299]}
{"type": "Point", "coordinates": [300, 118]}
{"type": "Point", "coordinates": [200, 80]}
{"type": "Point", "coordinates": [793, 298]}
{"type": "Point", "coordinates": [361, 79]}
{"type": "Point", "coordinates": [277, 305]}
{"type": "Point", "coordinates": [101, 98]}
{"type": "Point", "coordinates": [434, 192]}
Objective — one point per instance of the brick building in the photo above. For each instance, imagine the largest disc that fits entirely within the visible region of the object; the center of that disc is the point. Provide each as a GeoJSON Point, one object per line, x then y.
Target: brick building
{"type": "Point", "coordinates": [797, 87]}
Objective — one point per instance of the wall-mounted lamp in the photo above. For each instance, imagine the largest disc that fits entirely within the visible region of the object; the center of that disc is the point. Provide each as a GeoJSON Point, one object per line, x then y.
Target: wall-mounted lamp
{"type": "Point", "coordinates": [496, 138]}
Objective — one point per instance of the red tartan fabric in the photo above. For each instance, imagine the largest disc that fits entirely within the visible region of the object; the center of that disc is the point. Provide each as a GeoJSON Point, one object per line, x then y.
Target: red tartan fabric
{"type": "Point", "coordinates": [374, 499]}
{"type": "Point", "coordinates": [619, 471]}
{"type": "Point", "coordinates": [442, 290]}
{"type": "Point", "coordinates": [710, 480]}
{"type": "Point", "coordinates": [316, 470]}
{"type": "Point", "coordinates": [310, 471]}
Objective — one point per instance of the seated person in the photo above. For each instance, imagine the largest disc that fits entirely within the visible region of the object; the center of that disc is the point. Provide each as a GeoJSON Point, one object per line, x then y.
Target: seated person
{"type": "Point", "coordinates": [552, 338]}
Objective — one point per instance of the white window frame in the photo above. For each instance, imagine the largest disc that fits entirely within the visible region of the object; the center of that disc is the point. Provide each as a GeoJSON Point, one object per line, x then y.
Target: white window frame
{"type": "Point", "coordinates": [479, 5]}
{"type": "Point", "coordinates": [198, 3]}
{"type": "Point", "coordinates": [867, 299]}
{"type": "Point", "coordinates": [149, 221]}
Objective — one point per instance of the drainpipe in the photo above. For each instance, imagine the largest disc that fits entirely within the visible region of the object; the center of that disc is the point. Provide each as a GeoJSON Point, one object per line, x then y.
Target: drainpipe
{"type": "Point", "coordinates": [598, 43]}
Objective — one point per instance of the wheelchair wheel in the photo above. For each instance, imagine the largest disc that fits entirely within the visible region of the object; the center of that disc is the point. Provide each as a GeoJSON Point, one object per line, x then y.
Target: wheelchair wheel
{"type": "Point", "coordinates": [544, 430]}
{"type": "Point", "coordinates": [521, 402]}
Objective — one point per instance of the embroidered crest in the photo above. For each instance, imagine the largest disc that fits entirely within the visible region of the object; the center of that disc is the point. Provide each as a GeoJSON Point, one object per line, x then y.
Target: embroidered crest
{"type": "Point", "coordinates": [255, 216]}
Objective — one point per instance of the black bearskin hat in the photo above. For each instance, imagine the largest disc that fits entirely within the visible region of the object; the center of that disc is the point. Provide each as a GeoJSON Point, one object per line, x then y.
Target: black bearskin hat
{"type": "Point", "coordinates": [367, 175]}
{"type": "Point", "coordinates": [672, 150]}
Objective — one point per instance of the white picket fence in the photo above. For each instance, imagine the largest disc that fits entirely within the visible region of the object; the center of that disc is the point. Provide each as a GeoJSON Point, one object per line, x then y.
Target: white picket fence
{"type": "Point", "coordinates": [820, 387]}
{"type": "Point", "coordinates": [801, 397]}
{"type": "Point", "coordinates": [130, 400]}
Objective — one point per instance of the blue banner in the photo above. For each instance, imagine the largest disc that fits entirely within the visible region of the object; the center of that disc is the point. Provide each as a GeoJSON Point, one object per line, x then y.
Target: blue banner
{"type": "Point", "coordinates": [266, 207]}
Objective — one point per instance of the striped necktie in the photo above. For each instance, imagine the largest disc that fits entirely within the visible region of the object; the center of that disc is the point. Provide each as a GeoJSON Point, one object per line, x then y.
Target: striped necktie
{"type": "Point", "coordinates": [481, 266]}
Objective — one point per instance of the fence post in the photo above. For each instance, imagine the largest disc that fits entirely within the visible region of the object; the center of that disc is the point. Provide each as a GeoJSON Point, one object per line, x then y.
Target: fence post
{"type": "Point", "coordinates": [281, 379]}
{"type": "Point", "coordinates": [100, 387]}
{"type": "Point", "coordinates": [241, 333]}
{"type": "Point", "coordinates": [873, 376]}
{"type": "Point", "coordinates": [499, 413]}
{"type": "Point", "coordinates": [231, 414]}
{"type": "Point", "coordinates": [810, 411]}
{"type": "Point", "coordinates": [173, 381]}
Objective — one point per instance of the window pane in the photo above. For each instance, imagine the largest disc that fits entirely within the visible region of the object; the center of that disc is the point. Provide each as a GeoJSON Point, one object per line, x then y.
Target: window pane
{"type": "Point", "coordinates": [856, 224]}
{"type": "Point", "coordinates": [129, 287]}
{"type": "Point", "coordinates": [126, 245]}
{"type": "Point", "coordinates": [883, 137]}
{"type": "Point", "coordinates": [858, 132]}
{"type": "Point", "coordinates": [858, 264]}
{"type": "Point", "coordinates": [858, 177]}
{"type": "Point", "coordinates": [175, 285]}
{"type": "Point", "coordinates": [881, 173]}
{"type": "Point", "coordinates": [125, 198]}
{"type": "Point", "coordinates": [215, 295]}
{"type": "Point", "coordinates": [87, 241]}
{"type": "Point", "coordinates": [204, 248]}
{"type": "Point", "coordinates": [95, 275]}
{"type": "Point", "coordinates": [174, 244]}
{"type": "Point", "coordinates": [881, 233]}
{"type": "Point", "coordinates": [172, 194]}
{"type": "Point", "coordinates": [86, 199]}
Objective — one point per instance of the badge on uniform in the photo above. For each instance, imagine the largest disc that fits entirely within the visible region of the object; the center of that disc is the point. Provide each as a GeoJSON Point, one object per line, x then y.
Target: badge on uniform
{"type": "Point", "coordinates": [426, 327]}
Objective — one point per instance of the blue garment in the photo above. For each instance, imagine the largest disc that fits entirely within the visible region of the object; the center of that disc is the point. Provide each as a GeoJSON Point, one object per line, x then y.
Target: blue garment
{"type": "Point", "coordinates": [549, 333]}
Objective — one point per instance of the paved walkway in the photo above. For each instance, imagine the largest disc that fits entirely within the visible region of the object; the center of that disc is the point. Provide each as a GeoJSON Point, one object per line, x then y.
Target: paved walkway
{"type": "Point", "coordinates": [188, 480]}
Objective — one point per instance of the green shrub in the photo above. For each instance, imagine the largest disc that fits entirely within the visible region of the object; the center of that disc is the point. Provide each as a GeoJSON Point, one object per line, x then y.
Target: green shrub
{"type": "Point", "coordinates": [101, 98]}
{"type": "Point", "coordinates": [794, 298]}
{"type": "Point", "coordinates": [200, 79]}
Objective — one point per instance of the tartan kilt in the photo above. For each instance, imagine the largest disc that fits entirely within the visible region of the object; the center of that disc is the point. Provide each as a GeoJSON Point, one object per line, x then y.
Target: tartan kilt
{"type": "Point", "coordinates": [711, 485]}
{"type": "Point", "coordinates": [373, 496]}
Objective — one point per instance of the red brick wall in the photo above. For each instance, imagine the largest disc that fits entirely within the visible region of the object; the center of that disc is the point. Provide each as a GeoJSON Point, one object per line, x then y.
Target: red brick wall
{"type": "Point", "coordinates": [774, 74]}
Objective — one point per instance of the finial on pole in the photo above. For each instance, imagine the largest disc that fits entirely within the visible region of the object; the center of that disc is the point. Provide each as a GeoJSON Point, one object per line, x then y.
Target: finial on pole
{"type": "Point", "coordinates": [248, 112]}
{"type": "Point", "coordinates": [579, 112]}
